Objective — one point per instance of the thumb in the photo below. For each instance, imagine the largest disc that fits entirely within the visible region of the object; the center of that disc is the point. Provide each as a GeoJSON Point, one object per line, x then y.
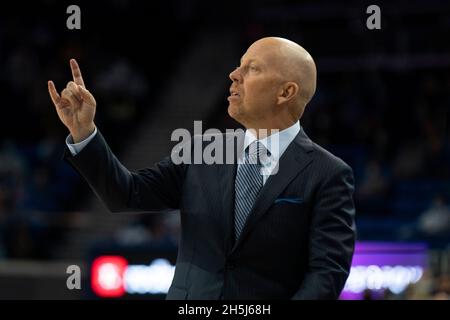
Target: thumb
{"type": "Point", "coordinates": [87, 96]}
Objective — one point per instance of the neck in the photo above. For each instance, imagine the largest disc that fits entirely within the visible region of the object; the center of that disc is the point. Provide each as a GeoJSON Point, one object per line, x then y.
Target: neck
{"type": "Point", "coordinates": [262, 130]}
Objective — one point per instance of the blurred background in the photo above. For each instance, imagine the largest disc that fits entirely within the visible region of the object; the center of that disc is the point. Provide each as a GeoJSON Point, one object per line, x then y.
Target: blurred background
{"type": "Point", "coordinates": [382, 105]}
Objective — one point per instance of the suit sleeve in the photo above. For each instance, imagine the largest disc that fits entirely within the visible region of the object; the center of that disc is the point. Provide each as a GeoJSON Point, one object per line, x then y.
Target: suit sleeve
{"type": "Point", "coordinates": [332, 238]}
{"type": "Point", "coordinates": [150, 189]}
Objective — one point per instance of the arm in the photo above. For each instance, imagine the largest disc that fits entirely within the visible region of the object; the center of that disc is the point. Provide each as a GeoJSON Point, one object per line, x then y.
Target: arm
{"type": "Point", "coordinates": [151, 189]}
{"type": "Point", "coordinates": [155, 188]}
{"type": "Point", "coordinates": [332, 238]}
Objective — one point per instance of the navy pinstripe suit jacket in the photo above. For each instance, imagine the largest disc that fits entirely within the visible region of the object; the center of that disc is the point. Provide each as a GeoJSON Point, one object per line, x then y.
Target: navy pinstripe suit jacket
{"type": "Point", "coordinates": [298, 240]}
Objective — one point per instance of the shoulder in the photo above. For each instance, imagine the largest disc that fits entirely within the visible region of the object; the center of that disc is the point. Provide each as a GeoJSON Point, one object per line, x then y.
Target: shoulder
{"type": "Point", "coordinates": [327, 160]}
{"type": "Point", "coordinates": [325, 166]}
{"type": "Point", "coordinates": [323, 160]}
{"type": "Point", "coordinates": [327, 170]}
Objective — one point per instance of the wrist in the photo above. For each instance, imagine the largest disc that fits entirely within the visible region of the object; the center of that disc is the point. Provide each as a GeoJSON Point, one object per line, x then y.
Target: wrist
{"type": "Point", "coordinates": [83, 134]}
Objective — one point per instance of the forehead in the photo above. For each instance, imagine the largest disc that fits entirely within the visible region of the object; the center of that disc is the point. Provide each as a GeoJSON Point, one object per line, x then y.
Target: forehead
{"type": "Point", "coordinates": [262, 52]}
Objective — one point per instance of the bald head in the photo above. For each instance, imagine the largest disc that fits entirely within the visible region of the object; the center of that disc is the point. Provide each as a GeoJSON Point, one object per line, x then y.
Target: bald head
{"type": "Point", "coordinates": [274, 82]}
{"type": "Point", "coordinates": [294, 63]}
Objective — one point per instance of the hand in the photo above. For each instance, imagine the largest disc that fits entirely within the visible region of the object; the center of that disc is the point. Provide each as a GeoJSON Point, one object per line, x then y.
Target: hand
{"type": "Point", "coordinates": [76, 105]}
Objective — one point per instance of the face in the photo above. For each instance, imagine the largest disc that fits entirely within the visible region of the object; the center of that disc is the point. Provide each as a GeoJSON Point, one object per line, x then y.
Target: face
{"type": "Point", "coordinates": [253, 93]}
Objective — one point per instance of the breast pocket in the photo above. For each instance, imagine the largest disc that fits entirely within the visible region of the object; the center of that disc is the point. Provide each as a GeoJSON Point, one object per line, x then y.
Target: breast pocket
{"type": "Point", "coordinates": [289, 201]}
{"type": "Point", "coordinates": [289, 210]}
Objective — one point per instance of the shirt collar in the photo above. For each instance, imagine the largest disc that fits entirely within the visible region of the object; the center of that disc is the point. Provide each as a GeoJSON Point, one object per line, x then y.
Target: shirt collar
{"type": "Point", "coordinates": [277, 142]}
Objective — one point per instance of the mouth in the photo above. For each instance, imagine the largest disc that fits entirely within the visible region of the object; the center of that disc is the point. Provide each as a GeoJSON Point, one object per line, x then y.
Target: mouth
{"type": "Point", "coordinates": [233, 94]}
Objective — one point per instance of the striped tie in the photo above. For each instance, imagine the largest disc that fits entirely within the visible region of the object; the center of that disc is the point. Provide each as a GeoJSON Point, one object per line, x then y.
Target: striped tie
{"type": "Point", "coordinates": [248, 183]}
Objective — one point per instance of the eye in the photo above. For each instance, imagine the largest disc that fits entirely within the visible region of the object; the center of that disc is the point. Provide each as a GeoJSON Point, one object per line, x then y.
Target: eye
{"type": "Point", "coordinates": [253, 68]}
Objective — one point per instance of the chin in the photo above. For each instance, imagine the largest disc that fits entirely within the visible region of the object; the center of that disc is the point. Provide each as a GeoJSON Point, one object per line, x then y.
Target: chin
{"type": "Point", "coordinates": [232, 111]}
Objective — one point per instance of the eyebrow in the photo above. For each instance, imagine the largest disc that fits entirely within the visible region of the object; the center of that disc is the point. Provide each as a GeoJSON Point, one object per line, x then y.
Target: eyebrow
{"type": "Point", "coordinates": [250, 60]}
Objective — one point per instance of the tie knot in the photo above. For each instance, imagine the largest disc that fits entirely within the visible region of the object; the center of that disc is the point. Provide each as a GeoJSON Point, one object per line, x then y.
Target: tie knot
{"type": "Point", "coordinates": [257, 153]}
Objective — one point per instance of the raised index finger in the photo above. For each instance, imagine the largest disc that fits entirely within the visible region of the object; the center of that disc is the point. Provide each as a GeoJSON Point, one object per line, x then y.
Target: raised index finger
{"type": "Point", "coordinates": [76, 72]}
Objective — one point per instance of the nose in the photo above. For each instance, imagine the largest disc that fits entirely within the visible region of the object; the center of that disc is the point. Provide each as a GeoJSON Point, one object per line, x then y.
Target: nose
{"type": "Point", "coordinates": [235, 75]}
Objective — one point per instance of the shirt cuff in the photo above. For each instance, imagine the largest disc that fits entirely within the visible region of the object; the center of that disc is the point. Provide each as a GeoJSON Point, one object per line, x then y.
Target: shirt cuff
{"type": "Point", "coordinates": [75, 148]}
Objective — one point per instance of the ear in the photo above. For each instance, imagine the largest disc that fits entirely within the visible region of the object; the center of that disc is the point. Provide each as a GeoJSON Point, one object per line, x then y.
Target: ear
{"type": "Point", "coordinates": [287, 92]}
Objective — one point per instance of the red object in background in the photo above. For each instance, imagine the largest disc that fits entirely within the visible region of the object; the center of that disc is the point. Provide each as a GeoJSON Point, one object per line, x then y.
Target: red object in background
{"type": "Point", "coordinates": [107, 275]}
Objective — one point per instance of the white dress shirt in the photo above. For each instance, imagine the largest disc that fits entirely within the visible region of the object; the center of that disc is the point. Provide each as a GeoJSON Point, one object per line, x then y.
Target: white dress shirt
{"type": "Point", "coordinates": [276, 144]}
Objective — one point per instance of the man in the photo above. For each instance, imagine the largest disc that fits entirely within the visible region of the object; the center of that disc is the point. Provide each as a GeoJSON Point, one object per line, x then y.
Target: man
{"type": "Point", "coordinates": [248, 231]}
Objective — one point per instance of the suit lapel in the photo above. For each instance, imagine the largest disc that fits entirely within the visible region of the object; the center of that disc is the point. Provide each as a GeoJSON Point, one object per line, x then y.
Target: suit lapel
{"type": "Point", "coordinates": [294, 160]}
